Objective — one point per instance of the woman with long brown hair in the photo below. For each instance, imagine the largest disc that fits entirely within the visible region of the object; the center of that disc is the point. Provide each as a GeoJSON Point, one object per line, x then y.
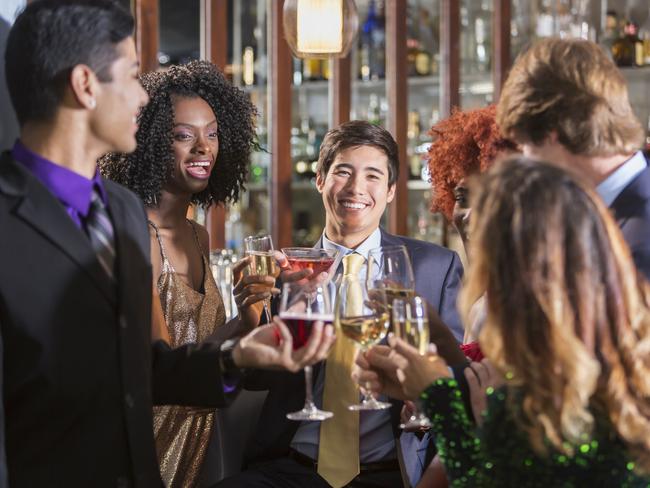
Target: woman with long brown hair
{"type": "Point", "coordinates": [568, 326]}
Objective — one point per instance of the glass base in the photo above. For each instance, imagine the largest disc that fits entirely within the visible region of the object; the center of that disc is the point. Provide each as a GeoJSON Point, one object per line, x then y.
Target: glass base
{"type": "Point", "coordinates": [370, 404]}
{"type": "Point", "coordinates": [416, 423]}
{"type": "Point", "coordinates": [310, 412]}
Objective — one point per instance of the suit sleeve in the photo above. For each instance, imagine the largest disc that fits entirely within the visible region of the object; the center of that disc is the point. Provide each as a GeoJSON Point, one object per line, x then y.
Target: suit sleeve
{"type": "Point", "coordinates": [189, 375]}
{"type": "Point", "coordinates": [448, 309]}
{"type": "Point", "coordinates": [4, 478]}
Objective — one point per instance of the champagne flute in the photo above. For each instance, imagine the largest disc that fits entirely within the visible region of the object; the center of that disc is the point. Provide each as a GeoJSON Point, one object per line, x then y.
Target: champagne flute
{"type": "Point", "coordinates": [363, 317]}
{"type": "Point", "coordinates": [260, 248]}
{"type": "Point", "coordinates": [411, 323]}
{"type": "Point", "coordinates": [300, 307]}
{"type": "Point", "coordinates": [389, 268]}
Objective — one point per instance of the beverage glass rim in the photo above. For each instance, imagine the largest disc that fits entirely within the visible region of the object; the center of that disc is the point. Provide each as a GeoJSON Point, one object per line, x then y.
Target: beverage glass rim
{"type": "Point", "coordinates": [331, 253]}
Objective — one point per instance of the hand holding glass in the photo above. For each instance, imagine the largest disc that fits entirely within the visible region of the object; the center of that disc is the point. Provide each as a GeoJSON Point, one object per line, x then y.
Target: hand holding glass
{"type": "Point", "coordinates": [300, 307]}
{"type": "Point", "coordinates": [260, 249]}
{"type": "Point", "coordinates": [411, 323]}
{"type": "Point", "coordinates": [364, 318]}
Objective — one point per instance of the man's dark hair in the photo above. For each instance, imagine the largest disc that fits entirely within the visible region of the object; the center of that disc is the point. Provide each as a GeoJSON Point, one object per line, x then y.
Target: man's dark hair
{"type": "Point", "coordinates": [357, 133]}
{"type": "Point", "coordinates": [50, 38]}
{"type": "Point", "coordinates": [146, 170]}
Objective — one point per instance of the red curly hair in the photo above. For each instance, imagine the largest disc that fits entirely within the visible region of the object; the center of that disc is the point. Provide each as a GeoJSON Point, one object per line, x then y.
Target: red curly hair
{"type": "Point", "coordinates": [463, 144]}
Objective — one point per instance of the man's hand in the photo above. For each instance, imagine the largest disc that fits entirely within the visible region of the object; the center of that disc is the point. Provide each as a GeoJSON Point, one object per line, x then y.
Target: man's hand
{"type": "Point", "coordinates": [377, 371]}
{"type": "Point", "coordinates": [417, 371]}
{"type": "Point", "coordinates": [481, 376]}
{"type": "Point", "coordinates": [303, 276]}
{"type": "Point", "coordinates": [271, 347]}
{"type": "Point", "coordinates": [250, 292]}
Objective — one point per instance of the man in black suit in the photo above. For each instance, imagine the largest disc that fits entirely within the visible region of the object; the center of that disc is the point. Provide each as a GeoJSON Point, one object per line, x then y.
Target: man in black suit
{"type": "Point", "coordinates": [79, 371]}
{"type": "Point", "coordinates": [358, 166]}
{"type": "Point", "coordinates": [566, 102]}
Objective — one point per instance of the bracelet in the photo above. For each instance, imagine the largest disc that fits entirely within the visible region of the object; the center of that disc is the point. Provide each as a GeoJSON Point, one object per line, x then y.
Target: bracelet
{"type": "Point", "coordinates": [229, 370]}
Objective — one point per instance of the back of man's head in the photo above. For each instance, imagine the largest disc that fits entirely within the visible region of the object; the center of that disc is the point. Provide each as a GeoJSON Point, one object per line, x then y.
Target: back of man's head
{"type": "Point", "coordinates": [571, 87]}
{"type": "Point", "coordinates": [48, 39]}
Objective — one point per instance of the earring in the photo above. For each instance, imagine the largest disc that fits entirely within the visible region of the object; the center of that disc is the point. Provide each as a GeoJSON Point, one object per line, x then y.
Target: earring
{"type": "Point", "coordinates": [92, 103]}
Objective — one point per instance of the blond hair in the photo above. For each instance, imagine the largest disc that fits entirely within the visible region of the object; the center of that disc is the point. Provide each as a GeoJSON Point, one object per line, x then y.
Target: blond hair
{"type": "Point", "coordinates": [569, 86]}
{"type": "Point", "coordinates": [568, 320]}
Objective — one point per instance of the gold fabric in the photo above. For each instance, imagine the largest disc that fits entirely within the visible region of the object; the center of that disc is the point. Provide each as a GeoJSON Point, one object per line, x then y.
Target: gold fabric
{"type": "Point", "coordinates": [182, 434]}
{"type": "Point", "coordinates": [338, 453]}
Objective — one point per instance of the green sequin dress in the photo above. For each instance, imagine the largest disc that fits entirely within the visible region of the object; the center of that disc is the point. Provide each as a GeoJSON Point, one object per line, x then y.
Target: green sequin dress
{"type": "Point", "coordinates": [498, 454]}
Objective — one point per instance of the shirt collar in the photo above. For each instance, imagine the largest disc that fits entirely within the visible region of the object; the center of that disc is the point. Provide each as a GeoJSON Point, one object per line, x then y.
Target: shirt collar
{"type": "Point", "coordinates": [371, 242]}
{"type": "Point", "coordinates": [72, 189]}
{"type": "Point", "coordinates": [614, 184]}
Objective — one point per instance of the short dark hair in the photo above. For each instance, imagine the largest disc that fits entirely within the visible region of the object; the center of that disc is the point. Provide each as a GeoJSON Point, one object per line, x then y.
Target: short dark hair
{"type": "Point", "coordinates": [357, 133]}
{"type": "Point", "coordinates": [50, 38]}
{"type": "Point", "coordinates": [146, 170]}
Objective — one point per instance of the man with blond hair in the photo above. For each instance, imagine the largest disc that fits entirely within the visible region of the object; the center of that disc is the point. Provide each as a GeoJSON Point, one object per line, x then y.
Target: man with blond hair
{"type": "Point", "coordinates": [566, 102]}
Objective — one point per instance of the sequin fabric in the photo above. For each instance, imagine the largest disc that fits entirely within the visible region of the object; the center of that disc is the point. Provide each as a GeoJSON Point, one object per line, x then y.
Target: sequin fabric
{"type": "Point", "coordinates": [498, 455]}
{"type": "Point", "coordinates": [182, 434]}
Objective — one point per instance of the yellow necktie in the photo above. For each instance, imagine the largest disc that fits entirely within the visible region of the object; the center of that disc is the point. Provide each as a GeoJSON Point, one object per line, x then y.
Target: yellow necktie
{"type": "Point", "coordinates": [338, 453]}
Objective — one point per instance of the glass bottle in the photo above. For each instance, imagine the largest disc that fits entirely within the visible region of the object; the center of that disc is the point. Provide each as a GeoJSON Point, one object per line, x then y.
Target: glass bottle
{"type": "Point", "coordinates": [624, 48]}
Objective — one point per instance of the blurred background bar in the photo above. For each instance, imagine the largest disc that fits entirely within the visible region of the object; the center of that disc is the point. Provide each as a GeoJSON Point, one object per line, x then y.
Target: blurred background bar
{"type": "Point", "coordinates": [412, 63]}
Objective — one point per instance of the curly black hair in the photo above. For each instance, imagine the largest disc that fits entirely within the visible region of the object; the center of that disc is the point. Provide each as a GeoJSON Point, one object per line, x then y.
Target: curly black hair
{"type": "Point", "coordinates": [146, 170]}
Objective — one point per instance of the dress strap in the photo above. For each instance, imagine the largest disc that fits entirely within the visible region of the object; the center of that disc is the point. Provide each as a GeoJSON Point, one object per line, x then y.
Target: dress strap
{"type": "Point", "coordinates": [165, 260]}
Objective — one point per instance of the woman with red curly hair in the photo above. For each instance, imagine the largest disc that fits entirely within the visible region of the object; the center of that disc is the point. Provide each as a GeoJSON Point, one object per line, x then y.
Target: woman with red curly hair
{"type": "Point", "coordinates": [464, 144]}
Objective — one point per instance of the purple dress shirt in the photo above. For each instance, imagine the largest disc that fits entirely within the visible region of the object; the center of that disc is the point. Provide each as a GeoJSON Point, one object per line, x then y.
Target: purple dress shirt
{"type": "Point", "coordinates": [71, 189]}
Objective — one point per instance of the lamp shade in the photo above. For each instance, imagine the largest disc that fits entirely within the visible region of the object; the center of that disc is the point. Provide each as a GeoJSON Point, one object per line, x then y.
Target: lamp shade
{"type": "Point", "coordinates": [320, 28]}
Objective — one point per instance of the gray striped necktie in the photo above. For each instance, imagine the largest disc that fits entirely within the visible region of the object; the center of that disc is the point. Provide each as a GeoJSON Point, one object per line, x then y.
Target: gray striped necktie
{"type": "Point", "coordinates": [100, 232]}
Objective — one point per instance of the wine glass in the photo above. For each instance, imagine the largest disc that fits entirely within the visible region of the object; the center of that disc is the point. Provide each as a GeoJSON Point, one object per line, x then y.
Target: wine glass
{"type": "Point", "coordinates": [363, 317]}
{"type": "Point", "coordinates": [319, 260]}
{"type": "Point", "coordinates": [260, 248]}
{"type": "Point", "coordinates": [300, 307]}
{"type": "Point", "coordinates": [389, 268]}
{"type": "Point", "coordinates": [411, 323]}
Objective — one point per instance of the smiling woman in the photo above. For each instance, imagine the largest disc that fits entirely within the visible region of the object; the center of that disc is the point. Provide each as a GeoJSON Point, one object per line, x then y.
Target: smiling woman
{"type": "Point", "coordinates": [193, 145]}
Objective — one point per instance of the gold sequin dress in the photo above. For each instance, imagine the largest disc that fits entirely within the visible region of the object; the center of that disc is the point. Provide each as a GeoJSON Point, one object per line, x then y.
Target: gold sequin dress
{"type": "Point", "coordinates": [182, 433]}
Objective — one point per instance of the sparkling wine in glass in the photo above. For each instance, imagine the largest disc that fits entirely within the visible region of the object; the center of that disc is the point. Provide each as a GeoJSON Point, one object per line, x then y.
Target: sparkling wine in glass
{"type": "Point", "coordinates": [318, 260]}
{"type": "Point", "coordinates": [389, 268]}
{"type": "Point", "coordinates": [300, 307]}
{"type": "Point", "coordinates": [260, 248]}
{"type": "Point", "coordinates": [363, 317]}
{"type": "Point", "coordinates": [411, 323]}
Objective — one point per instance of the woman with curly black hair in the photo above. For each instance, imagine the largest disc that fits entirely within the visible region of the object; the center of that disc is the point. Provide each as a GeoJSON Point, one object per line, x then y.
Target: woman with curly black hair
{"type": "Point", "coordinates": [194, 141]}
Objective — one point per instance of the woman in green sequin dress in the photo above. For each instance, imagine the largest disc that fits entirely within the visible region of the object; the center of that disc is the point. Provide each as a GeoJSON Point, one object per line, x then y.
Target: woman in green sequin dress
{"type": "Point", "coordinates": [568, 327]}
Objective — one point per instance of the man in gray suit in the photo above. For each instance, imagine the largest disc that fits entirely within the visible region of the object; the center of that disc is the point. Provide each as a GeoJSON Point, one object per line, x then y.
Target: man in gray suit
{"type": "Point", "coordinates": [357, 174]}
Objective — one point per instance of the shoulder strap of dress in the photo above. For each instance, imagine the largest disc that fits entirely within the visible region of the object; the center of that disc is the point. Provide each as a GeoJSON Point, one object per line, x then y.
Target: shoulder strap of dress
{"type": "Point", "coordinates": [163, 254]}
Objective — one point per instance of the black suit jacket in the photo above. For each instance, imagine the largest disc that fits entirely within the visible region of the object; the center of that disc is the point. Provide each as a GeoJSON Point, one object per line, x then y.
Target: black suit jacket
{"type": "Point", "coordinates": [632, 211]}
{"type": "Point", "coordinates": [80, 374]}
{"type": "Point", "coordinates": [438, 274]}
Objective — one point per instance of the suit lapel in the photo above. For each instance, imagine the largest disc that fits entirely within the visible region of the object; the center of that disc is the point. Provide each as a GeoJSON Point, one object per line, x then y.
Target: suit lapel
{"type": "Point", "coordinates": [118, 217]}
{"type": "Point", "coordinates": [45, 214]}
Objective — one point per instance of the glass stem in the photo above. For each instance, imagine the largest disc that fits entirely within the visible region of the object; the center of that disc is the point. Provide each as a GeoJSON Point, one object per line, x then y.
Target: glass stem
{"type": "Point", "coordinates": [267, 311]}
{"type": "Point", "coordinates": [309, 399]}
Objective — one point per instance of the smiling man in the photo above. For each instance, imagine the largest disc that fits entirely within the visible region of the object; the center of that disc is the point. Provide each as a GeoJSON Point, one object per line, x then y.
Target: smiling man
{"type": "Point", "coordinates": [357, 175]}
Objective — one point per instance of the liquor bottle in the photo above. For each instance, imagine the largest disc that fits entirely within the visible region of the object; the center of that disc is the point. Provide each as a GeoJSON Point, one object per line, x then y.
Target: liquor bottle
{"type": "Point", "coordinates": [365, 42]}
{"type": "Point", "coordinates": [644, 35]}
{"type": "Point", "coordinates": [482, 33]}
{"type": "Point", "coordinates": [297, 71]}
{"type": "Point", "coordinates": [372, 44]}
{"type": "Point", "coordinates": [374, 110]}
{"type": "Point", "coordinates": [610, 33]}
{"type": "Point", "coordinates": [426, 61]}
{"type": "Point", "coordinates": [413, 135]}
{"type": "Point", "coordinates": [312, 69]}
{"type": "Point", "coordinates": [248, 66]}
{"type": "Point", "coordinates": [624, 48]}
{"type": "Point", "coordinates": [412, 39]}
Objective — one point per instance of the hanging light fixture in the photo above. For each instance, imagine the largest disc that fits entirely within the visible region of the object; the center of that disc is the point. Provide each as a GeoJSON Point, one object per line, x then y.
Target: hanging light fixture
{"type": "Point", "coordinates": [320, 28]}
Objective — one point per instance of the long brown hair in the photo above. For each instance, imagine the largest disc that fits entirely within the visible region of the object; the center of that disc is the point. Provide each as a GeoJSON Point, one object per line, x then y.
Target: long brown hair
{"type": "Point", "coordinates": [568, 321]}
